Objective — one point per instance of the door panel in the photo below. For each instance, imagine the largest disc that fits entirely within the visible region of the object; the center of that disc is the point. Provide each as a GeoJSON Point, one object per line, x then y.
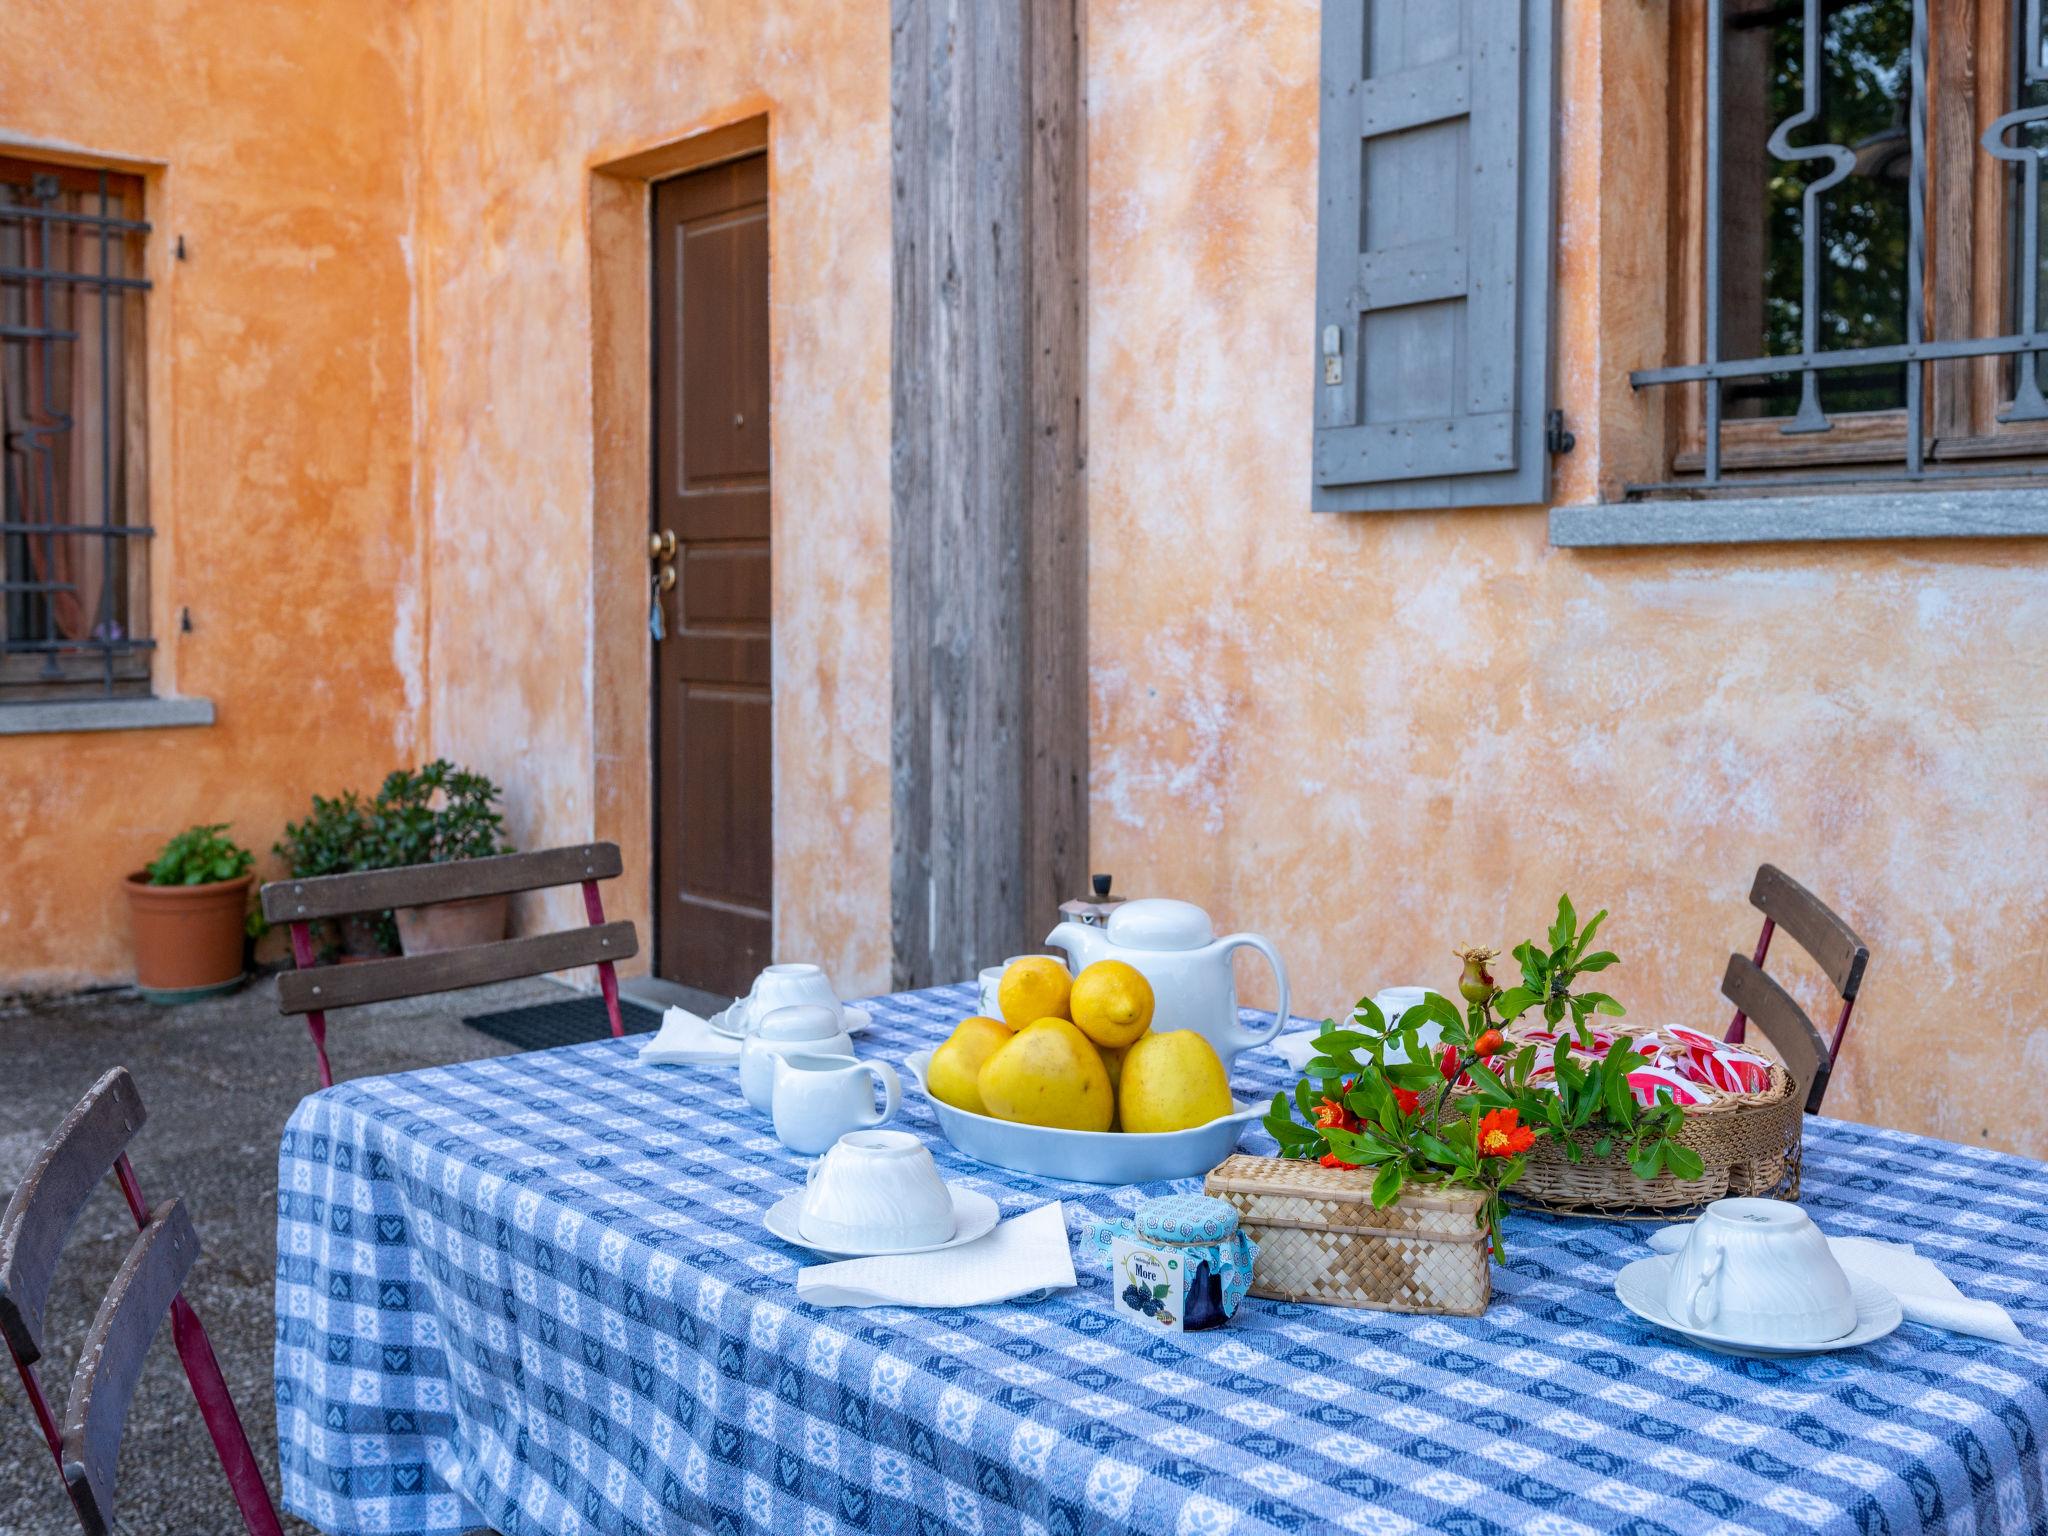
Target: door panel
{"type": "Point", "coordinates": [712, 707]}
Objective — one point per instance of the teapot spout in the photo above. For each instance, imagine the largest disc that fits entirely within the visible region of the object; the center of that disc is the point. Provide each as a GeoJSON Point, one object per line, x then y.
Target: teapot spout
{"type": "Point", "coordinates": [1079, 941]}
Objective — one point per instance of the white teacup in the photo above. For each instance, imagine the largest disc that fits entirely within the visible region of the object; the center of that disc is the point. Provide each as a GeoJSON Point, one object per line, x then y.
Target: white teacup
{"type": "Point", "coordinates": [1395, 1001]}
{"type": "Point", "coordinates": [990, 1003]}
{"type": "Point", "coordinates": [1762, 1272]}
{"type": "Point", "coordinates": [791, 985]}
{"type": "Point", "coordinates": [818, 1099]}
{"type": "Point", "coordinates": [877, 1190]}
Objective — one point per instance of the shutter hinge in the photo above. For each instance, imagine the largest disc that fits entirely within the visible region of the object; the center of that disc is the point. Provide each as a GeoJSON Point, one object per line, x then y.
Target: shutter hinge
{"type": "Point", "coordinates": [1555, 438]}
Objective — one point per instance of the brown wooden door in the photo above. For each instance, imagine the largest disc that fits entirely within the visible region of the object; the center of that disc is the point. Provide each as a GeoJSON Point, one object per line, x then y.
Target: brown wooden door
{"type": "Point", "coordinates": [713, 814]}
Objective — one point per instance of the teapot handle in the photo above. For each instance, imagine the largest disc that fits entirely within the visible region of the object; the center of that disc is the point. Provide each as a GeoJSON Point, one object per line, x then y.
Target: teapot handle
{"type": "Point", "coordinates": [1258, 942]}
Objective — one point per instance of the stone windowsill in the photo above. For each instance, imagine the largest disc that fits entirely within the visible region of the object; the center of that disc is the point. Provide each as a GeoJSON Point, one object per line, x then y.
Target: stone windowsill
{"type": "Point", "coordinates": [102, 715]}
{"type": "Point", "coordinates": [1919, 514]}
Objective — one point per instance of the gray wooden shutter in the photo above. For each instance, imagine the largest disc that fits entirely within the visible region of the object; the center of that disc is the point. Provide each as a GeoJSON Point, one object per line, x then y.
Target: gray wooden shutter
{"type": "Point", "coordinates": [1433, 265]}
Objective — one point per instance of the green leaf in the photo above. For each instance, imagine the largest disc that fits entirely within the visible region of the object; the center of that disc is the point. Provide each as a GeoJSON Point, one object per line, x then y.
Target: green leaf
{"type": "Point", "coordinates": [1386, 1185]}
{"type": "Point", "coordinates": [1604, 1146]}
{"type": "Point", "coordinates": [1682, 1161]}
{"type": "Point", "coordinates": [1644, 1163]}
{"type": "Point", "coordinates": [1331, 1041]}
{"type": "Point", "coordinates": [1567, 922]}
{"type": "Point", "coordinates": [1159, 1291]}
{"type": "Point", "coordinates": [1586, 933]}
{"type": "Point", "coordinates": [1514, 1002]}
{"type": "Point", "coordinates": [1600, 1002]}
{"type": "Point", "coordinates": [1598, 961]}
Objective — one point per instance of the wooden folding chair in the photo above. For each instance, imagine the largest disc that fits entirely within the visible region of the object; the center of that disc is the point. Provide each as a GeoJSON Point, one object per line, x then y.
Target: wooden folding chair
{"type": "Point", "coordinates": [313, 989]}
{"type": "Point", "coordinates": [1787, 904]}
{"type": "Point", "coordinates": [91, 1143]}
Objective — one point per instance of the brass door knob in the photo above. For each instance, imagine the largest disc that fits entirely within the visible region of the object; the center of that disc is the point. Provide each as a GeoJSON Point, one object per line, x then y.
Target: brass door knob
{"type": "Point", "coordinates": [662, 545]}
{"type": "Point", "coordinates": [665, 578]}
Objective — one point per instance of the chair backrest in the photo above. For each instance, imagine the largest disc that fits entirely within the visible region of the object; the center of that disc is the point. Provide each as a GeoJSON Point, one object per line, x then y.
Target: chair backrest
{"type": "Point", "coordinates": [376, 981]}
{"type": "Point", "coordinates": [91, 1144]}
{"type": "Point", "coordinates": [1834, 947]}
{"type": "Point", "coordinates": [47, 1202]}
{"type": "Point", "coordinates": [110, 1362]}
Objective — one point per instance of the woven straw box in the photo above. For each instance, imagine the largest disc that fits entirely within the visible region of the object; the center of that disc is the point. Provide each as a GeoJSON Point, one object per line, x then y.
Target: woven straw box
{"type": "Point", "coordinates": [1321, 1240]}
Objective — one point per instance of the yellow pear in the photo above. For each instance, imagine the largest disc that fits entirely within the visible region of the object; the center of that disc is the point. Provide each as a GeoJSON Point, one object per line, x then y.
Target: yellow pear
{"type": "Point", "coordinates": [1171, 1082]}
{"type": "Point", "coordinates": [1036, 987]}
{"type": "Point", "coordinates": [956, 1065]}
{"type": "Point", "coordinates": [1112, 1003]}
{"type": "Point", "coordinates": [1048, 1074]}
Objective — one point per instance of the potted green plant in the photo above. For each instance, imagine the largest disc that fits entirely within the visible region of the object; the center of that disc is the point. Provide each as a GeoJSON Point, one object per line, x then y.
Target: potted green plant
{"type": "Point", "coordinates": [188, 908]}
{"type": "Point", "coordinates": [334, 839]}
{"type": "Point", "coordinates": [436, 815]}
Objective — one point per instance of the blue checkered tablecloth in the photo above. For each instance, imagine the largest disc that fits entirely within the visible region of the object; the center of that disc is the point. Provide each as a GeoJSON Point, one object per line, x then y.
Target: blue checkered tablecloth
{"type": "Point", "coordinates": [535, 1292]}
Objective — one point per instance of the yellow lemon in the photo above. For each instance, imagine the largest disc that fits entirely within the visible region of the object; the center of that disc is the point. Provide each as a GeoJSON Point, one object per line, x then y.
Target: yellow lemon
{"type": "Point", "coordinates": [1171, 1082]}
{"type": "Point", "coordinates": [956, 1065]}
{"type": "Point", "coordinates": [1048, 1074]}
{"type": "Point", "coordinates": [1112, 1003]}
{"type": "Point", "coordinates": [1036, 987]}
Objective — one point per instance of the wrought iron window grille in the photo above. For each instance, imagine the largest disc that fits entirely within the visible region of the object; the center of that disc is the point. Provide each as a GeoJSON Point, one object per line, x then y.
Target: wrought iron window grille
{"type": "Point", "coordinates": [72, 558]}
{"type": "Point", "coordinates": [2004, 139]}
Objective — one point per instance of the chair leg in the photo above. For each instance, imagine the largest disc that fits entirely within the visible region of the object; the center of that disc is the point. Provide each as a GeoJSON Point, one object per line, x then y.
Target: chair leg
{"type": "Point", "coordinates": [45, 1420]}
{"type": "Point", "coordinates": [217, 1408]}
{"type": "Point", "coordinates": [607, 974]}
{"type": "Point", "coordinates": [1738, 1027]}
{"type": "Point", "coordinates": [316, 1026]}
{"type": "Point", "coordinates": [209, 1389]}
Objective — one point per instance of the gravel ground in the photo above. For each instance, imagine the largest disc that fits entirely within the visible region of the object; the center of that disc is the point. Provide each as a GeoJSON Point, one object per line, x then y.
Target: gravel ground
{"type": "Point", "coordinates": [219, 1078]}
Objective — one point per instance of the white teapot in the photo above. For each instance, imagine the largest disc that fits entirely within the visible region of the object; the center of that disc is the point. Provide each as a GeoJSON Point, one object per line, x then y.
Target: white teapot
{"type": "Point", "coordinates": [1174, 945]}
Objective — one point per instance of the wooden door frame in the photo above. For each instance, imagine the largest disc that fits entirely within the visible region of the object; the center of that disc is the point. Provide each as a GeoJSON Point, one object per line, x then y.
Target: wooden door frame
{"type": "Point", "coordinates": [621, 194]}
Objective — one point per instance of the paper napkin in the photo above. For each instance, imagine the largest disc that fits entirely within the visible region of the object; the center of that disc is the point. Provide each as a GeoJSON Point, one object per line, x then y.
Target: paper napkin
{"type": "Point", "coordinates": [1926, 1295]}
{"type": "Point", "coordinates": [1024, 1254]}
{"type": "Point", "coordinates": [686, 1040]}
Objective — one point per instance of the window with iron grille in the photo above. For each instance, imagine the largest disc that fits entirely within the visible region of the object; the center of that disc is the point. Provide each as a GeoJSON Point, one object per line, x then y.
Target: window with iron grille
{"type": "Point", "coordinates": [1858, 248]}
{"type": "Point", "coordinates": [74, 535]}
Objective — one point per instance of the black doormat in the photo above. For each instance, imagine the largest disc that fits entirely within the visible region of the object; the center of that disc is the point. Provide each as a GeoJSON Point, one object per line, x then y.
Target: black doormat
{"type": "Point", "coordinates": [573, 1021]}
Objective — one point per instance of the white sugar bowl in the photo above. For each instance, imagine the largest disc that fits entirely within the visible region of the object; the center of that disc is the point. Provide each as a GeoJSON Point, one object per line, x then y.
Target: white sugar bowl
{"type": "Point", "coordinates": [808, 1029]}
{"type": "Point", "coordinates": [1762, 1272]}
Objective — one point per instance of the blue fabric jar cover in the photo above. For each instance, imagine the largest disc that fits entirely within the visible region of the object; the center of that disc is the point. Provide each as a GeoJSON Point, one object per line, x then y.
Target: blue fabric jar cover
{"type": "Point", "coordinates": [1203, 1226]}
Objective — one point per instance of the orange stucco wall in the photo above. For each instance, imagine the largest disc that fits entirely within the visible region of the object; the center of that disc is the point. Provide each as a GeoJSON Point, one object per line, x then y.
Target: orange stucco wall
{"type": "Point", "coordinates": [399, 448]}
{"type": "Point", "coordinates": [281, 398]}
{"type": "Point", "coordinates": [1396, 733]}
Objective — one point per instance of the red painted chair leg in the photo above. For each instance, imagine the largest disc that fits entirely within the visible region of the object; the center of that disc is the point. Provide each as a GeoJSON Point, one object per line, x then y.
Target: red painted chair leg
{"type": "Point", "coordinates": [46, 1419]}
{"type": "Point", "coordinates": [1738, 1027]}
{"type": "Point", "coordinates": [316, 1026]}
{"type": "Point", "coordinates": [217, 1408]}
{"type": "Point", "coordinates": [209, 1388]}
{"type": "Point", "coordinates": [607, 975]}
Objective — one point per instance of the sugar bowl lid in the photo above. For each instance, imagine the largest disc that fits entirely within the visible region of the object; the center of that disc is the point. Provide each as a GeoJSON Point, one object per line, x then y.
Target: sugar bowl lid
{"type": "Point", "coordinates": [801, 1021]}
{"type": "Point", "coordinates": [1185, 1219]}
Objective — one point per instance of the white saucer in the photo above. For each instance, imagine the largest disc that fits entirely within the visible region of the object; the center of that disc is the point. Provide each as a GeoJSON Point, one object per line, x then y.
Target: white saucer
{"type": "Point", "coordinates": [1640, 1288]}
{"type": "Point", "coordinates": [974, 1215]}
{"type": "Point", "coordinates": [856, 1020]}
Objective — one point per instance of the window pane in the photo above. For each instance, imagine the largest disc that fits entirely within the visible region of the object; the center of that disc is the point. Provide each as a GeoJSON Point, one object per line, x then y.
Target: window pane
{"type": "Point", "coordinates": [2025, 94]}
{"type": "Point", "coordinates": [1862, 226]}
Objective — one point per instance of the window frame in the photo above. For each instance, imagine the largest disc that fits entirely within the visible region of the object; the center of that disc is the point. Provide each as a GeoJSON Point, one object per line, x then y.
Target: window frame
{"type": "Point", "coordinates": [1966, 288]}
{"type": "Point", "coordinates": [96, 672]}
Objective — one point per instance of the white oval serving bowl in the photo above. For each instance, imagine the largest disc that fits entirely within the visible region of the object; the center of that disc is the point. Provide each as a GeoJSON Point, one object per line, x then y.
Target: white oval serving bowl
{"type": "Point", "coordinates": [1087, 1157]}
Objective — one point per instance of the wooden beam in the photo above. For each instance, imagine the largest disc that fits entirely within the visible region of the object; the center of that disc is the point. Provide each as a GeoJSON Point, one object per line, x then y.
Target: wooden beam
{"type": "Point", "coordinates": [989, 534]}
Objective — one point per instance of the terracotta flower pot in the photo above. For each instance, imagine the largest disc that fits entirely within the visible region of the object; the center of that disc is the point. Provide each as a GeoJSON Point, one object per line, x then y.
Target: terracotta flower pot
{"type": "Point", "coordinates": [453, 924]}
{"type": "Point", "coordinates": [188, 938]}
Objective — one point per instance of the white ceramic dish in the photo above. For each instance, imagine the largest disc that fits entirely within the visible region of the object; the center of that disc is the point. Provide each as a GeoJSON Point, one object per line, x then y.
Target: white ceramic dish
{"type": "Point", "coordinates": [974, 1215]}
{"type": "Point", "coordinates": [857, 1019]}
{"type": "Point", "coordinates": [1088, 1157]}
{"type": "Point", "coordinates": [1640, 1287]}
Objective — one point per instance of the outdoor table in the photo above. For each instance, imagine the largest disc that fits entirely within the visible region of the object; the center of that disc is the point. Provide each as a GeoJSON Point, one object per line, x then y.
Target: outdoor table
{"type": "Point", "coordinates": [535, 1292]}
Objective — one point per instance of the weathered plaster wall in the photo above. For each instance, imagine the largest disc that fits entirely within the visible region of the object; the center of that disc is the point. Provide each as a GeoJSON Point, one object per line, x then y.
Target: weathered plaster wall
{"type": "Point", "coordinates": [1373, 737]}
{"type": "Point", "coordinates": [520, 103]}
{"type": "Point", "coordinates": [275, 141]}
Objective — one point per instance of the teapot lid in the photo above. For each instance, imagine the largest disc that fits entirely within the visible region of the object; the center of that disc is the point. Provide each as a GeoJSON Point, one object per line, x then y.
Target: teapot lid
{"type": "Point", "coordinates": [801, 1021]}
{"type": "Point", "coordinates": [1155, 922]}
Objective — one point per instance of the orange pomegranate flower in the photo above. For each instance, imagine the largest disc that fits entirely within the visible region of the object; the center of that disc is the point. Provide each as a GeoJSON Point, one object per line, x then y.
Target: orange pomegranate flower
{"type": "Point", "coordinates": [1407, 1100]}
{"type": "Point", "coordinates": [1332, 1160]}
{"type": "Point", "coordinates": [1502, 1135]}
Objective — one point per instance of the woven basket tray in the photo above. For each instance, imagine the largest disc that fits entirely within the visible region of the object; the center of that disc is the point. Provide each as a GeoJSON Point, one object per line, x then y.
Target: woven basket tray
{"type": "Point", "coordinates": [1320, 1240]}
{"type": "Point", "coordinates": [1750, 1144]}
